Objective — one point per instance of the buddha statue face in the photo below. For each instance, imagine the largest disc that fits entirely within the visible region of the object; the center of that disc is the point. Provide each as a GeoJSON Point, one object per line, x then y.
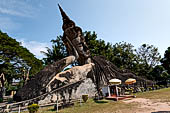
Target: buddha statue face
{"type": "Point", "coordinates": [73, 38]}
{"type": "Point", "coordinates": [82, 49]}
{"type": "Point", "coordinates": [74, 34]}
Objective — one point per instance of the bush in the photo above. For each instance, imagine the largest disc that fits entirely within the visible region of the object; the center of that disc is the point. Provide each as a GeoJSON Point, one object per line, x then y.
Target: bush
{"type": "Point", "coordinates": [142, 89]}
{"type": "Point", "coordinates": [33, 108]}
{"type": "Point", "coordinates": [10, 100]}
{"type": "Point", "coordinates": [1, 100]}
{"type": "Point", "coordinates": [150, 88]}
{"type": "Point", "coordinates": [85, 98]}
{"type": "Point", "coordinates": [130, 90]}
{"type": "Point", "coordinates": [156, 86]}
{"type": "Point", "coordinates": [11, 88]}
{"type": "Point", "coordinates": [161, 86]}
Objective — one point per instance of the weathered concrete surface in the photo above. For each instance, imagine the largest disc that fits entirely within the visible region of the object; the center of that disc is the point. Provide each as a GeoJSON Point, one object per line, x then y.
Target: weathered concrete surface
{"type": "Point", "coordinates": [72, 75]}
{"type": "Point", "coordinates": [76, 92]}
{"type": "Point", "coordinates": [37, 85]}
{"type": "Point", "coordinates": [87, 87]}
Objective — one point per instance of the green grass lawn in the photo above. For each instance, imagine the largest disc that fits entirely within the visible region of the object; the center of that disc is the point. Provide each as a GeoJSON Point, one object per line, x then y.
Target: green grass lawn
{"type": "Point", "coordinates": [91, 106]}
{"type": "Point", "coordinates": [109, 106]}
{"type": "Point", "coordinates": [162, 94]}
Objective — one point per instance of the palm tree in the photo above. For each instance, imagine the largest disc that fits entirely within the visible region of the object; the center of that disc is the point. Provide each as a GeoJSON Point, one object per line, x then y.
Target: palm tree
{"type": "Point", "coordinates": [57, 51]}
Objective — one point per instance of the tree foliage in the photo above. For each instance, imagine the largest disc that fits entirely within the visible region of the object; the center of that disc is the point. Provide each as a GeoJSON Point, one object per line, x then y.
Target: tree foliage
{"type": "Point", "coordinates": [166, 60]}
{"type": "Point", "coordinates": [97, 47]}
{"type": "Point", "coordinates": [148, 57]}
{"type": "Point", "coordinates": [121, 54]}
{"type": "Point", "coordinates": [159, 74]}
{"type": "Point", "coordinates": [124, 56]}
{"type": "Point", "coordinates": [57, 52]}
{"type": "Point", "coordinates": [14, 58]}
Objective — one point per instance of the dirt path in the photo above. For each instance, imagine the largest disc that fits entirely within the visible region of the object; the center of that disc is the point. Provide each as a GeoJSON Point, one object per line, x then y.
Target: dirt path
{"type": "Point", "coordinates": [149, 106]}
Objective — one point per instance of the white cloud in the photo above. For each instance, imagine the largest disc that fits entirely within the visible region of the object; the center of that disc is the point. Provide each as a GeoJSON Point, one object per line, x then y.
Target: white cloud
{"type": "Point", "coordinates": [10, 9]}
{"type": "Point", "coordinates": [18, 8]}
{"type": "Point", "coordinates": [35, 47]}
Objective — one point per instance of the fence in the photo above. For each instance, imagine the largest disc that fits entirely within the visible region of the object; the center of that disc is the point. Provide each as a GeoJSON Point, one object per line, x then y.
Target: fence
{"type": "Point", "coordinates": [24, 104]}
{"type": "Point", "coordinates": [18, 108]}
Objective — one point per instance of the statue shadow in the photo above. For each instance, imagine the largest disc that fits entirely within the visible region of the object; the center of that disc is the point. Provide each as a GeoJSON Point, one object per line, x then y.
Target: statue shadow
{"type": "Point", "coordinates": [100, 101]}
{"type": "Point", "coordinates": [51, 109]}
{"type": "Point", "coordinates": [161, 112]}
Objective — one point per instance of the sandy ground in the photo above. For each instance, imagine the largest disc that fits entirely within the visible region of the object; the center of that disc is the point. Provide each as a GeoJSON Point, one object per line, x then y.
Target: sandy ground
{"type": "Point", "coordinates": [149, 106]}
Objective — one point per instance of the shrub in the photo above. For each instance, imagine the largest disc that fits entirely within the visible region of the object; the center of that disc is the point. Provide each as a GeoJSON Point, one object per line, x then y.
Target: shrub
{"type": "Point", "coordinates": [161, 86]}
{"type": "Point", "coordinates": [10, 100]}
{"type": "Point", "coordinates": [1, 100]}
{"type": "Point", "coordinates": [149, 88]}
{"type": "Point", "coordinates": [156, 86]}
{"type": "Point", "coordinates": [130, 90]}
{"type": "Point", "coordinates": [11, 88]}
{"type": "Point", "coordinates": [85, 98]}
{"type": "Point", "coordinates": [142, 89]}
{"type": "Point", "coordinates": [33, 108]}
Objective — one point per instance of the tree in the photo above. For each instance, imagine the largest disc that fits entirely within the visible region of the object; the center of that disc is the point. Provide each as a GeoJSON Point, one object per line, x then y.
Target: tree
{"type": "Point", "coordinates": [97, 47]}
{"type": "Point", "coordinates": [156, 73]}
{"type": "Point", "coordinates": [159, 74]}
{"type": "Point", "coordinates": [124, 56]}
{"type": "Point", "coordinates": [148, 57]}
{"type": "Point", "coordinates": [166, 60]}
{"type": "Point", "coordinates": [14, 58]}
{"type": "Point", "coordinates": [57, 52]}
{"type": "Point", "coordinates": [121, 54]}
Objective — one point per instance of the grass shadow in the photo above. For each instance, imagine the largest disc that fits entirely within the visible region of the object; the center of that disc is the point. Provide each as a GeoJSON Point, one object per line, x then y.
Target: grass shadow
{"type": "Point", "coordinates": [51, 110]}
{"type": "Point", "coordinates": [100, 101]}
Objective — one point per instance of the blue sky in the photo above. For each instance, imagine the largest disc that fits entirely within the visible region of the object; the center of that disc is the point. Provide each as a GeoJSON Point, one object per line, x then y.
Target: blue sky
{"type": "Point", "coordinates": [36, 22]}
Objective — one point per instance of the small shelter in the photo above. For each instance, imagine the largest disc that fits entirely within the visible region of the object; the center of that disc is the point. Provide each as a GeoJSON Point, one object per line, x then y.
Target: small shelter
{"type": "Point", "coordinates": [113, 84]}
{"type": "Point", "coordinates": [113, 89]}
